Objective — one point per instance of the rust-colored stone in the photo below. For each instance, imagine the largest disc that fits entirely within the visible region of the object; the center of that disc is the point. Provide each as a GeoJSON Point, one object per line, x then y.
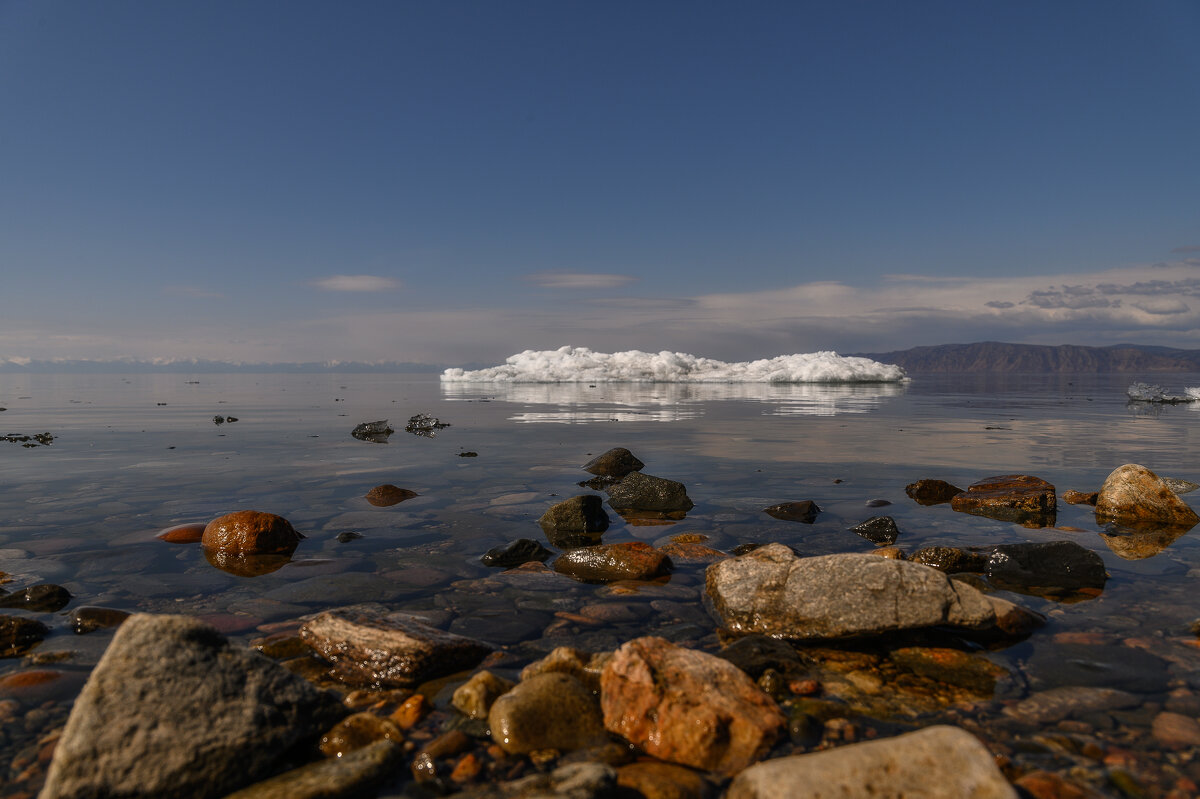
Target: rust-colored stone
{"type": "Point", "coordinates": [630, 560]}
{"type": "Point", "coordinates": [251, 532]}
{"type": "Point", "coordinates": [183, 534]}
{"type": "Point", "coordinates": [1020, 498]}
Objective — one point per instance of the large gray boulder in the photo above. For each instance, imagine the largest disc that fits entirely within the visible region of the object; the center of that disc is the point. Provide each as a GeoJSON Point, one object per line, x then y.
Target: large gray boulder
{"type": "Point", "coordinates": [772, 591]}
{"type": "Point", "coordinates": [172, 709]}
{"type": "Point", "coordinates": [939, 762]}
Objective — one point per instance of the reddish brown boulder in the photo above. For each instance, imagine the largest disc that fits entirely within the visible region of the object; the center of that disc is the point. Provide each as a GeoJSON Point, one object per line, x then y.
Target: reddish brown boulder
{"type": "Point", "coordinates": [1019, 498]}
{"type": "Point", "coordinates": [386, 495]}
{"type": "Point", "coordinates": [687, 707]}
{"type": "Point", "coordinates": [630, 560]}
{"type": "Point", "coordinates": [250, 532]}
{"type": "Point", "coordinates": [1133, 496]}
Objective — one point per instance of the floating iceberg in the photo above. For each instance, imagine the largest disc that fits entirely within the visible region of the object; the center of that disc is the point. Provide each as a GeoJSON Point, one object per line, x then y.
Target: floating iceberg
{"type": "Point", "coordinates": [1148, 392]}
{"type": "Point", "coordinates": [582, 365]}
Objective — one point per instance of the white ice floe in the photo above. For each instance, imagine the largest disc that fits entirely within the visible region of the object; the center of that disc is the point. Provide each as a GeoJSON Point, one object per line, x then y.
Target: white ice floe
{"type": "Point", "coordinates": [582, 365]}
{"type": "Point", "coordinates": [1148, 392]}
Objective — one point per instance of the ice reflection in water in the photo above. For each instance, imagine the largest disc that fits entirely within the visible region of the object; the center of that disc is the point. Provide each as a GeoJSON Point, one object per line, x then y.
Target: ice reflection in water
{"type": "Point", "coordinates": [580, 403]}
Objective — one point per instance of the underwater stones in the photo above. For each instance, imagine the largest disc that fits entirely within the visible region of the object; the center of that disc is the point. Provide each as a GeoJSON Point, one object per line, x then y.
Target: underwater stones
{"type": "Point", "coordinates": [1046, 568]}
{"type": "Point", "coordinates": [1020, 498]}
{"type": "Point", "coordinates": [172, 709]}
{"type": "Point", "coordinates": [1133, 496]}
{"type": "Point", "coordinates": [546, 711]}
{"type": "Point", "coordinates": [686, 706]}
{"type": "Point", "coordinates": [644, 492]}
{"type": "Point", "coordinates": [514, 553]}
{"type": "Point", "coordinates": [373, 432]}
{"type": "Point", "coordinates": [475, 697]}
{"type": "Point", "coordinates": [931, 492]}
{"type": "Point", "coordinates": [754, 654]}
{"type": "Point", "coordinates": [1127, 668]}
{"type": "Point", "coordinates": [617, 462]}
{"type": "Point", "coordinates": [575, 522]}
{"type": "Point", "coordinates": [804, 511]}
{"type": "Point", "coordinates": [951, 666]}
{"type": "Point", "coordinates": [950, 559]}
{"type": "Point", "coordinates": [604, 563]}
{"type": "Point", "coordinates": [18, 635]}
{"type": "Point", "coordinates": [879, 530]}
{"type": "Point", "coordinates": [1176, 731]}
{"type": "Point", "coordinates": [386, 495]}
{"type": "Point", "coordinates": [250, 532]}
{"type": "Point", "coordinates": [939, 762]}
{"type": "Point", "coordinates": [368, 646]}
{"type": "Point", "coordinates": [1057, 704]}
{"type": "Point", "coordinates": [43, 598]}
{"type": "Point", "coordinates": [772, 591]}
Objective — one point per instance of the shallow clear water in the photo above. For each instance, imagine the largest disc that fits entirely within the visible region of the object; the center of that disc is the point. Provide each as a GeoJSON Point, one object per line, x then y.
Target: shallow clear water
{"type": "Point", "coordinates": [133, 455]}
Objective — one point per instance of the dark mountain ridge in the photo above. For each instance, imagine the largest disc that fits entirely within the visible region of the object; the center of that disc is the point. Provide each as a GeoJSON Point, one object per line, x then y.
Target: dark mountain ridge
{"type": "Point", "coordinates": [996, 356]}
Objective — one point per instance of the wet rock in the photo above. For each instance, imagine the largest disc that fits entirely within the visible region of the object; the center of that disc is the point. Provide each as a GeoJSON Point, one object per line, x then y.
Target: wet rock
{"type": "Point", "coordinates": [688, 707]}
{"type": "Point", "coordinates": [1140, 544]}
{"type": "Point", "coordinates": [1098, 665]}
{"type": "Point", "coordinates": [352, 775]}
{"type": "Point", "coordinates": [1135, 497]}
{"type": "Point", "coordinates": [638, 491]}
{"type": "Point", "coordinates": [1057, 704]}
{"type": "Point", "coordinates": [1019, 498]}
{"type": "Point", "coordinates": [173, 709]}
{"type": "Point", "coordinates": [617, 462]}
{"type": "Point", "coordinates": [774, 592]}
{"type": "Point", "coordinates": [250, 532]}
{"type": "Point", "coordinates": [951, 560]}
{"type": "Point", "coordinates": [754, 654]}
{"type": "Point", "coordinates": [583, 666]}
{"type": "Point", "coordinates": [373, 432]}
{"type": "Point", "coordinates": [386, 495]}
{"type": "Point", "coordinates": [575, 522]}
{"type": "Point", "coordinates": [1080, 497]}
{"type": "Point", "coordinates": [368, 646]}
{"type": "Point", "coordinates": [356, 731]}
{"type": "Point", "coordinates": [547, 711]}
{"type": "Point", "coordinates": [475, 697]}
{"type": "Point", "coordinates": [425, 425]}
{"type": "Point", "coordinates": [42, 598]}
{"type": "Point", "coordinates": [88, 619]}
{"type": "Point", "coordinates": [939, 762]}
{"type": "Point", "coordinates": [654, 780]}
{"type": "Point", "coordinates": [932, 492]}
{"type": "Point", "coordinates": [804, 511]}
{"type": "Point", "coordinates": [18, 635]}
{"type": "Point", "coordinates": [523, 550]}
{"type": "Point", "coordinates": [1176, 731]}
{"type": "Point", "coordinates": [183, 533]}
{"type": "Point", "coordinates": [879, 530]}
{"type": "Point", "coordinates": [951, 666]}
{"type": "Point", "coordinates": [603, 563]}
{"type": "Point", "coordinates": [1046, 568]}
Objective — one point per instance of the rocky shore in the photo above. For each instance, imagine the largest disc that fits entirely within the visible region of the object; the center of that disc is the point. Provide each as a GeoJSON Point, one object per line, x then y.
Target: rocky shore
{"type": "Point", "coordinates": [629, 669]}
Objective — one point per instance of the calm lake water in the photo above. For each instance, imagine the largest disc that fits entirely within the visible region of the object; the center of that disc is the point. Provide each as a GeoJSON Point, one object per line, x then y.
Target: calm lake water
{"type": "Point", "coordinates": [135, 454]}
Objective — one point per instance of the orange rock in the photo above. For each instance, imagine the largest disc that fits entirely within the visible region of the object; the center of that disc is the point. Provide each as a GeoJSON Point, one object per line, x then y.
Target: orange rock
{"type": "Point", "coordinates": [251, 532]}
{"type": "Point", "coordinates": [1044, 785]}
{"type": "Point", "coordinates": [411, 711]}
{"type": "Point", "coordinates": [183, 534]}
{"type": "Point", "coordinates": [27, 679]}
{"type": "Point", "coordinates": [467, 768]}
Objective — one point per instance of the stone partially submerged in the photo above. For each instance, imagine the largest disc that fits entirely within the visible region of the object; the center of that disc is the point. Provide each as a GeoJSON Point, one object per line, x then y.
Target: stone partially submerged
{"type": "Point", "coordinates": [1020, 498]}
{"type": "Point", "coordinates": [774, 592]}
{"type": "Point", "coordinates": [173, 709]}
{"type": "Point", "coordinates": [1137, 498]}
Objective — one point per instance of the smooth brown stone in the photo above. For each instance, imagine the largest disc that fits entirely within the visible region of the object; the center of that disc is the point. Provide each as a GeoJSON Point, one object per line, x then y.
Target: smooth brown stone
{"type": "Point", "coordinates": [656, 780]}
{"type": "Point", "coordinates": [1020, 498]}
{"type": "Point", "coordinates": [250, 532]}
{"type": "Point", "coordinates": [386, 495]}
{"type": "Point", "coordinates": [357, 731]}
{"type": "Point", "coordinates": [546, 711]}
{"type": "Point", "coordinates": [184, 533]}
{"type": "Point", "coordinates": [631, 560]}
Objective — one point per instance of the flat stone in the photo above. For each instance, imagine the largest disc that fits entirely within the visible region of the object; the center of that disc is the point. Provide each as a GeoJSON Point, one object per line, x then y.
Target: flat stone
{"type": "Point", "coordinates": [687, 707]}
{"type": "Point", "coordinates": [523, 550]}
{"type": "Point", "coordinates": [547, 711]}
{"type": "Point", "coordinates": [88, 619]}
{"type": "Point", "coordinates": [367, 646]}
{"type": "Point", "coordinates": [351, 775]}
{"type": "Point", "coordinates": [1019, 498]}
{"type": "Point", "coordinates": [638, 491]}
{"type": "Point", "coordinates": [1057, 704]}
{"type": "Point", "coordinates": [184, 533]}
{"type": "Point", "coordinates": [357, 731]}
{"type": "Point", "coordinates": [939, 762]}
{"type": "Point", "coordinates": [1046, 568]}
{"type": "Point", "coordinates": [41, 598]}
{"type": "Point", "coordinates": [1136, 497]}
{"type": "Point", "coordinates": [617, 462]}
{"type": "Point", "coordinates": [172, 709]}
{"type": "Point", "coordinates": [1080, 497]}
{"type": "Point", "coordinates": [631, 560]}
{"type": "Point", "coordinates": [951, 666]}
{"type": "Point", "coordinates": [772, 591]}
{"type": "Point", "coordinates": [1128, 668]}
{"type": "Point", "coordinates": [654, 780]}
{"type": "Point", "coordinates": [951, 560]}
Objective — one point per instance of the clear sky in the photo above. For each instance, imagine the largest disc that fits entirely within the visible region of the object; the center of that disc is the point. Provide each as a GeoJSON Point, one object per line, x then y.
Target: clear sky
{"type": "Point", "coordinates": [454, 182]}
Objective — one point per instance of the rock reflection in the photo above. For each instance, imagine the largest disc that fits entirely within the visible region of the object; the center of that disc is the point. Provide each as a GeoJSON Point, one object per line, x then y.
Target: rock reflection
{"type": "Point", "coordinates": [245, 565]}
{"type": "Point", "coordinates": [1138, 544]}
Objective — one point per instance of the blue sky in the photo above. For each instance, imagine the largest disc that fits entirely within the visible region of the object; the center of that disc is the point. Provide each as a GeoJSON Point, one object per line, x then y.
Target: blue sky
{"type": "Point", "coordinates": [453, 182]}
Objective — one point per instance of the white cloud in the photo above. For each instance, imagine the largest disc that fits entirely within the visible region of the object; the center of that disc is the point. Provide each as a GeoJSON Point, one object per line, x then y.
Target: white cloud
{"type": "Point", "coordinates": [356, 283]}
{"type": "Point", "coordinates": [578, 280]}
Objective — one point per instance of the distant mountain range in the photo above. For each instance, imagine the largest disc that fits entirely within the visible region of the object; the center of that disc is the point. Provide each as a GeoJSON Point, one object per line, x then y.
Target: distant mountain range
{"type": "Point", "coordinates": [995, 356]}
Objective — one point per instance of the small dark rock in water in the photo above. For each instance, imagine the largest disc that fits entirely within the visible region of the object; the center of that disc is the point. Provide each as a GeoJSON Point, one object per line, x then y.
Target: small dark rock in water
{"type": "Point", "coordinates": [218, 419]}
{"type": "Point", "coordinates": [598, 483]}
{"type": "Point", "coordinates": [951, 559]}
{"type": "Point", "coordinates": [523, 550]}
{"type": "Point", "coordinates": [804, 511]}
{"type": "Point", "coordinates": [45, 598]}
{"type": "Point", "coordinates": [617, 462]}
{"type": "Point", "coordinates": [89, 619]}
{"type": "Point", "coordinates": [575, 522]}
{"type": "Point", "coordinates": [425, 425]}
{"type": "Point", "coordinates": [878, 503]}
{"type": "Point", "coordinates": [231, 419]}
{"type": "Point", "coordinates": [638, 491]}
{"type": "Point", "coordinates": [743, 548]}
{"type": "Point", "coordinates": [931, 492]}
{"type": "Point", "coordinates": [468, 454]}
{"type": "Point", "coordinates": [348, 536]}
{"type": "Point", "coordinates": [374, 432]}
{"type": "Point", "coordinates": [386, 495]}
{"type": "Point", "coordinates": [1046, 568]}
{"type": "Point", "coordinates": [45, 439]}
{"type": "Point", "coordinates": [878, 530]}
{"type": "Point", "coordinates": [18, 635]}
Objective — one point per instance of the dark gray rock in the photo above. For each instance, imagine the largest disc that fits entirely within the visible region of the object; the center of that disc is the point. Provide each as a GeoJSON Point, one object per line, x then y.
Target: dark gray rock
{"type": "Point", "coordinates": [173, 709]}
{"type": "Point", "coordinates": [43, 598]}
{"type": "Point", "coordinates": [374, 432]}
{"type": "Point", "coordinates": [1053, 665]}
{"type": "Point", "coordinates": [523, 550]}
{"type": "Point", "coordinates": [1057, 704]}
{"type": "Point", "coordinates": [951, 559]}
{"type": "Point", "coordinates": [638, 491]}
{"type": "Point", "coordinates": [617, 462]}
{"type": "Point", "coordinates": [18, 635]}
{"type": "Point", "coordinates": [575, 522]}
{"type": "Point", "coordinates": [803, 511]}
{"type": "Point", "coordinates": [1046, 568]}
{"type": "Point", "coordinates": [880, 530]}
{"type": "Point", "coordinates": [754, 654]}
